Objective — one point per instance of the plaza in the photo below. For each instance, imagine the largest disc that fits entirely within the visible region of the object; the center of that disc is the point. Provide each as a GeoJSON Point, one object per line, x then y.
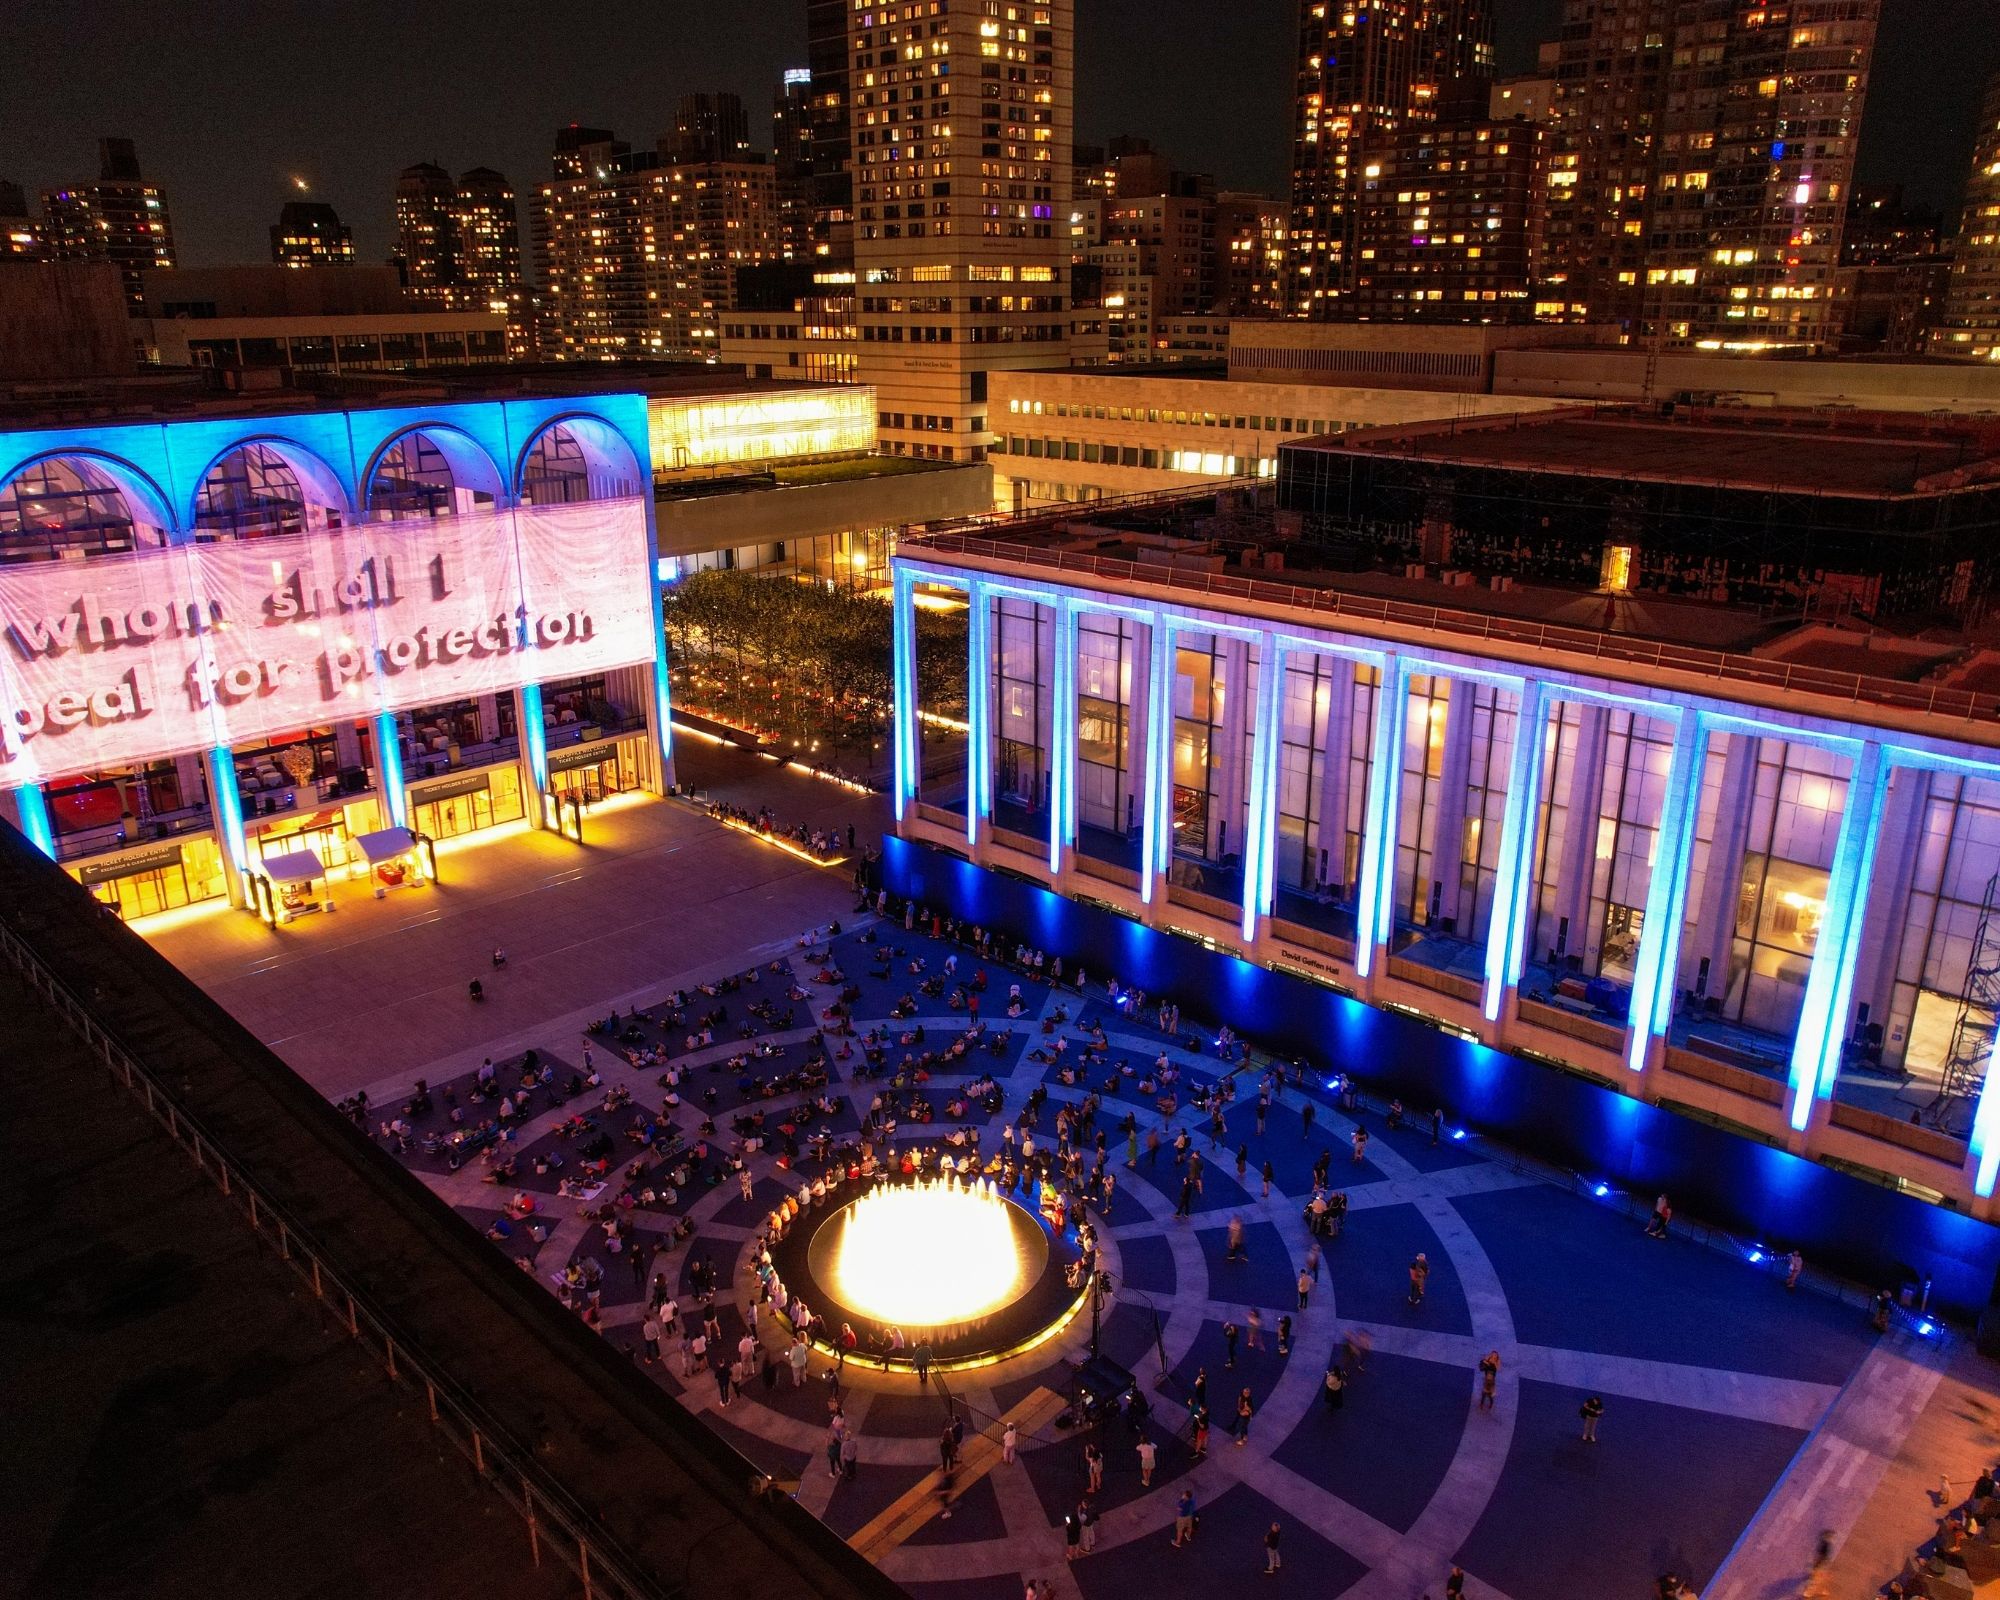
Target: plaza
{"type": "Point", "coordinates": [1730, 1405]}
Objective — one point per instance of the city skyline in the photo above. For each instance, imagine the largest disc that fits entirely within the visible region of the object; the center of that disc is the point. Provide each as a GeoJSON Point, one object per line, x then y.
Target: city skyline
{"type": "Point", "coordinates": [227, 178]}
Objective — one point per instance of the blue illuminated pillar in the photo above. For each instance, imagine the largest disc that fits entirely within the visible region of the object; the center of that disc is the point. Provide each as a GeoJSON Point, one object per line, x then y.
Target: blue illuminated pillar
{"type": "Point", "coordinates": [1261, 821]}
{"type": "Point", "coordinates": [1156, 836]}
{"type": "Point", "coordinates": [1830, 979]}
{"type": "Point", "coordinates": [663, 717]}
{"type": "Point", "coordinates": [31, 807]}
{"type": "Point", "coordinates": [1514, 881]}
{"type": "Point", "coordinates": [1375, 907]}
{"type": "Point", "coordinates": [1062, 788]}
{"type": "Point", "coordinates": [535, 750]}
{"type": "Point", "coordinates": [389, 769]}
{"type": "Point", "coordinates": [1986, 1125]}
{"type": "Point", "coordinates": [1655, 968]}
{"type": "Point", "coordinates": [225, 801]}
{"type": "Point", "coordinates": [903, 709]}
{"type": "Point", "coordinates": [978, 713]}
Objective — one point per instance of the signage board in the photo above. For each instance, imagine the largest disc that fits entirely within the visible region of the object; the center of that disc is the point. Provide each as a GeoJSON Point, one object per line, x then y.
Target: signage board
{"type": "Point", "coordinates": [138, 657]}
{"type": "Point", "coordinates": [450, 789]}
{"type": "Point", "coordinates": [151, 859]}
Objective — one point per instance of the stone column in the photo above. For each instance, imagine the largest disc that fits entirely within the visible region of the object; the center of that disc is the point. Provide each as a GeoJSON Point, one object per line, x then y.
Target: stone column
{"type": "Point", "coordinates": [1448, 838]}
{"type": "Point", "coordinates": [1336, 743]}
{"type": "Point", "coordinates": [1375, 914]}
{"type": "Point", "coordinates": [1135, 655]}
{"type": "Point", "coordinates": [979, 717]}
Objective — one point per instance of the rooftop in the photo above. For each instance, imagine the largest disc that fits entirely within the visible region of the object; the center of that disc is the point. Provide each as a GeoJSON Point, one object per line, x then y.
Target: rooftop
{"type": "Point", "coordinates": [1805, 452]}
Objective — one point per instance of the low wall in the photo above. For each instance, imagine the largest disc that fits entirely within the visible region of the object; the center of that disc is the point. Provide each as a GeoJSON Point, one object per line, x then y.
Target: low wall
{"type": "Point", "coordinates": [1845, 1224]}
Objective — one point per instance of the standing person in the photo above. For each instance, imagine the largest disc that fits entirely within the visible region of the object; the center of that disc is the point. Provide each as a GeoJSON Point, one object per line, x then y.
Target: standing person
{"type": "Point", "coordinates": [1420, 1273]}
{"type": "Point", "coordinates": [850, 1452]}
{"type": "Point", "coordinates": [1306, 1116]}
{"type": "Point", "coordinates": [1335, 1389]}
{"type": "Point", "coordinates": [1010, 1440]}
{"type": "Point", "coordinates": [1269, 1173]}
{"type": "Point", "coordinates": [1454, 1584]}
{"type": "Point", "coordinates": [1149, 1458]}
{"type": "Point", "coordinates": [1795, 1263]}
{"type": "Point", "coordinates": [1242, 1163]}
{"type": "Point", "coordinates": [920, 1358]}
{"type": "Point", "coordinates": [1312, 1260]}
{"type": "Point", "coordinates": [1093, 1460]}
{"type": "Point", "coordinates": [1235, 1251]}
{"type": "Point", "coordinates": [798, 1357]}
{"type": "Point", "coordinates": [1072, 1536]}
{"type": "Point", "coordinates": [1360, 1142]}
{"type": "Point", "coordinates": [1229, 1344]}
{"type": "Point", "coordinates": [947, 1450]}
{"type": "Point", "coordinates": [1256, 1322]}
{"type": "Point", "coordinates": [1271, 1561]}
{"type": "Point", "coordinates": [649, 1337]}
{"type": "Point", "coordinates": [1245, 1410]}
{"type": "Point", "coordinates": [1184, 1509]}
{"type": "Point", "coordinates": [1086, 1518]}
{"type": "Point", "coordinates": [836, 1436]}
{"type": "Point", "coordinates": [1663, 1214]}
{"type": "Point", "coordinates": [1489, 1375]}
{"type": "Point", "coordinates": [1591, 1411]}
{"type": "Point", "coordinates": [1437, 1124]}
{"type": "Point", "coordinates": [1305, 1287]}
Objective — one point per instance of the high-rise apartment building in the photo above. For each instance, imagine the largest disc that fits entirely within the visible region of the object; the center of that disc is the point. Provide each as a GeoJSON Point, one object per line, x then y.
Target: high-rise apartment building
{"type": "Point", "coordinates": [962, 121]}
{"type": "Point", "coordinates": [121, 218]}
{"type": "Point", "coordinates": [1443, 221]}
{"type": "Point", "coordinates": [1700, 157]}
{"type": "Point", "coordinates": [1364, 72]}
{"type": "Point", "coordinates": [427, 233]}
{"type": "Point", "coordinates": [709, 127]}
{"type": "Point", "coordinates": [309, 233]}
{"type": "Point", "coordinates": [1971, 321]}
{"type": "Point", "coordinates": [637, 251]}
{"type": "Point", "coordinates": [1252, 245]}
{"type": "Point", "coordinates": [488, 226]}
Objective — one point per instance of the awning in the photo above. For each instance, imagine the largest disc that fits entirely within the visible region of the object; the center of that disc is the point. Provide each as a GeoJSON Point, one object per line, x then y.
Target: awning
{"type": "Point", "coordinates": [385, 844]}
{"type": "Point", "coordinates": [295, 866]}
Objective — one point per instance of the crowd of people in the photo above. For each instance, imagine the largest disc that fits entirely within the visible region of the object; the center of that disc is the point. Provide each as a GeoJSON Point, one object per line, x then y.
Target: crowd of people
{"type": "Point", "coordinates": [827, 844]}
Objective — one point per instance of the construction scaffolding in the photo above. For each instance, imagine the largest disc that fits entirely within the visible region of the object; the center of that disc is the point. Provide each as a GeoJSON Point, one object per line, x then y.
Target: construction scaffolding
{"type": "Point", "coordinates": [1978, 1017]}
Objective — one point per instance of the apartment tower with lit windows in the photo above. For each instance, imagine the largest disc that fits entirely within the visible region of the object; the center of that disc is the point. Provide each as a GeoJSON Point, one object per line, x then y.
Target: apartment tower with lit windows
{"type": "Point", "coordinates": [961, 120]}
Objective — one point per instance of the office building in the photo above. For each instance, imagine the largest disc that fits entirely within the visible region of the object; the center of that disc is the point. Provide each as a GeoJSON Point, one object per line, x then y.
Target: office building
{"type": "Point", "coordinates": [1363, 74]}
{"type": "Point", "coordinates": [1443, 221]}
{"type": "Point", "coordinates": [1731, 862]}
{"type": "Point", "coordinates": [637, 252]}
{"type": "Point", "coordinates": [832, 141]}
{"type": "Point", "coordinates": [121, 218]}
{"type": "Point", "coordinates": [1970, 324]}
{"type": "Point", "coordinates": [309, 233]}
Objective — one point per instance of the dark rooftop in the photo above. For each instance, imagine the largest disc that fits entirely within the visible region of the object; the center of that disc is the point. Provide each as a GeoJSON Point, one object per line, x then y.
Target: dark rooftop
{"type": "Point", "coordinates": [1819, 452]}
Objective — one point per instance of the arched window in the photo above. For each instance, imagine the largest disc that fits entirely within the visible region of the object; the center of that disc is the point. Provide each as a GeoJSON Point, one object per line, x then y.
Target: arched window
{"type": "Point", "coordinates": [259, 490]}
{"type": "Point", "coordinates": [578, 459]}
{"type": "Point", "coordinates": [72, 507]}
{"type": "Point", "coordinates": [432, 472]}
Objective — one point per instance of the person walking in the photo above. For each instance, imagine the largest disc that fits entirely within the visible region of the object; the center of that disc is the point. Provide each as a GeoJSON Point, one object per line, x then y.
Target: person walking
{"type": "Point", "coordinates": [1420, 1273]}
{"type": "Point", "coordinates": [850, 1453]}
{"type": "Point", "coordinates": [1306, 1116]}
{"type": "Point", "coordinates": [1242, 1164]}
{"type": "Point", "coordinates": [1591, 1411]}
{"type": "Point", "coordinates": [1149, 1458]}
{"type": "Point", "coordinates": [1184, 1510]}
{"type": "Point", "coordinates": [1229, 1344]}
{"type": "Point", "coordinates": [1199, 1422]}
{"type": "Point", "coordinates": [1271, 1561]}
{"type": "Point", "coordinates": [1269, 1173]}
{"type": "Point", "coordinates": [920, 1358]}
{"type": "Point", "coordinates": [1256, 1322]}
{"type": "Point", "coordinates": [1662, 1217]}
{"type": "Point", "coordinates": [1072, 1536]}
{"type": "Point", "coordinates": [1010, 1439]}
{"type": "Point", "coordinates": [1235, 1251]}
{"type": "Point", "coordinates": [1795, 1263]}
{"type": "Point", "coordinates": [1489, 1375]}
{"type": "Point", "coordinates": [1312, 1260]}
{"type": "Point", "coordinates": [1360, 1143]}
{"type": "Point", "coordinates": [1335, 1388]}
{"type": "Point", "coordinates": [1305, 1287]}
{"type": "Point", "coordinates": [947, 1450]}
{"type": "Point", "coordinates": [1285, 1335]}
{"type": "Point", "coordinates": [1454, 1584]}
{"type": "Point", "coordinates": [836, 1436]}
{"type": "Point", "coordinates": [1093, 1461]}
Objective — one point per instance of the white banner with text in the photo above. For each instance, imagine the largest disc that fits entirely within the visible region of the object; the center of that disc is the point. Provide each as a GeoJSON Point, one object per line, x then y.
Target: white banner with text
{"type": "Point", "coordinates": [133, 658]}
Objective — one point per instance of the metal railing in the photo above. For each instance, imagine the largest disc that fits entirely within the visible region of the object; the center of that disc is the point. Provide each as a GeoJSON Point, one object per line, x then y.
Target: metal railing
{"type": "Point", "coordinates": [1779, 677]}
{"type": "Point", "coordinates": [555, 1520]}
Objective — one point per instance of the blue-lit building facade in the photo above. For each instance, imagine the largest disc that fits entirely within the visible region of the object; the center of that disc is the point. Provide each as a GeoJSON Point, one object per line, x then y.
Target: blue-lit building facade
{"type": "Point", "coordinates": [524, 740]}
{"type": "Point", "coordinates": [1753, 893]}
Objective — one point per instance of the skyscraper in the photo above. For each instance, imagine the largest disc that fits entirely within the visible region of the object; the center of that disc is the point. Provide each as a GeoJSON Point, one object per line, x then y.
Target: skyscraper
{"type": "Point", "coordinates": [1700, 156]}
{"type": "Point", "coordinates": [792, 161]}
{"type": "Point", "coordinates": [1971, 324]}
{"type": "Point", "coordinates": [489, 244]}
{"type": "Point", "coordinates": [962, 126]}
{"type": "Point", "coordinates": [309, 233]}
{"type": "Point", "coordinates": [1366, 69]}
{"type": "Point", "coordinates": [121, 218]}
{"type": "Point", "coordinates": [427, 233]}
{"type": "Point", "coordinates": [832, 140]}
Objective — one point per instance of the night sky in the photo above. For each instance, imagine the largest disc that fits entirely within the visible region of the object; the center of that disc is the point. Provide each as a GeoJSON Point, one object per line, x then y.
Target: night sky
{"type": "Point", "coordinates": [229, 99]}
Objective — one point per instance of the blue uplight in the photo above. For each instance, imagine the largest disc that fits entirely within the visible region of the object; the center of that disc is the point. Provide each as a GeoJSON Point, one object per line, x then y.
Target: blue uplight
{"type": "Point", "coordinates": [1756, 1256]}
{"type": "Point", "coordinates": [1926, 1329]}
{"type": "Point", "coordinates": [1458, 1133]}
{"type": "Point", "coordinates": [1601, 1190]}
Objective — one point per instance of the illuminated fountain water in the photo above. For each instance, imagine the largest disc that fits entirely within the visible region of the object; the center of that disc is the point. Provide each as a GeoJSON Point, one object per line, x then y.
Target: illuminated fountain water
{"type": "Point", "coordinates": [933, 1254]}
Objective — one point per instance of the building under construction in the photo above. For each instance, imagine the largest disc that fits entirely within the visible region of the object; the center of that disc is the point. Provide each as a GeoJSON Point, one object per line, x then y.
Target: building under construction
{"type": "Point", "coordinates": [1825, 512]}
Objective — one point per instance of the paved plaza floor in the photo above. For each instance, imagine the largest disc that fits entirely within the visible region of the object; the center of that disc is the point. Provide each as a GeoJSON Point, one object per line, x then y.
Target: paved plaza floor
{"type": "Point", "coordinates": [1739, 1420]}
